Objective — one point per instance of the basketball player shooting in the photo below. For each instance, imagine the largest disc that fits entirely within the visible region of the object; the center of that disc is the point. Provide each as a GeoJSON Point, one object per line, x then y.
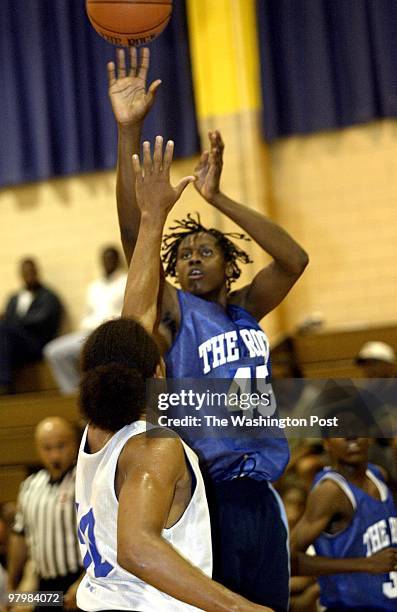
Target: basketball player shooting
{"type": "Point", "coordinates": [250, 543]}
{"type": "Point", "coordinates": [141, 503]}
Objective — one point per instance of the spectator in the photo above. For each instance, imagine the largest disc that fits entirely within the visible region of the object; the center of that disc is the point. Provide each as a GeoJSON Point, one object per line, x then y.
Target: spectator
{"type": "Point", "coordinates": [45, 523]}
{"type": "Point", "coordinates": [104, 301]}
{"type": "Point", "coordinates": [31, 319]}
{"type": "Point", "coordinates": [377, 362]}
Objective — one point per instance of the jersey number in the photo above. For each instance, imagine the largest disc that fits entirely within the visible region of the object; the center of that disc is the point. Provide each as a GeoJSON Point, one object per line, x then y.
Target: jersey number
{"type": "Point", "coordinates": [252, 380]}
{"type": "Point", "coordinates": [390, 588]}
{"type": "Point", "coordinates": [87, 536]}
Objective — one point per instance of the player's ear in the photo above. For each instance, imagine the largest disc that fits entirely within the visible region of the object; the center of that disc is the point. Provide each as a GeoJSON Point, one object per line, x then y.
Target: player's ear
{"type": "Point", "coordinates": [229, 270]}
{"type": "Point", "coordinates": [160, 369]}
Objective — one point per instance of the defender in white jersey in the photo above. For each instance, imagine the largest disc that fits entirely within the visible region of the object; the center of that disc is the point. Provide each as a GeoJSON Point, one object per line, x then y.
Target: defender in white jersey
{"type": "Point", "coordinates": [143, 518]}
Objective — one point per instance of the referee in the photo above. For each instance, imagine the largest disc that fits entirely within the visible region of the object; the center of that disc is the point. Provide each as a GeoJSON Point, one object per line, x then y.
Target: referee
{"type": "Point", "coordinates": [45, 522]}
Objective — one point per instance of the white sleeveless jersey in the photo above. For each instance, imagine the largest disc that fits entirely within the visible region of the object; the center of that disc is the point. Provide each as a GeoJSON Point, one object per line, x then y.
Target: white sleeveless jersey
{"type": "Point", "coordinates": [106, 585]}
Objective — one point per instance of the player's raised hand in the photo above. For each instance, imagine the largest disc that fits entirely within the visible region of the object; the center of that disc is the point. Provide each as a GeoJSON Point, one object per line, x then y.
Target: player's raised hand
{"type": "Point", "coordinates": [154, 192]}
{"type": "Point", "coordinates": [127, 89]}
{"type": "Point", "coordinates": [209, 169]}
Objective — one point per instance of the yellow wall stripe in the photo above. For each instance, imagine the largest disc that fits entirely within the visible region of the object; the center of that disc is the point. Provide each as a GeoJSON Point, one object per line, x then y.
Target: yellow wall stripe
{"type": "Point", "coordinates": [223, 40]}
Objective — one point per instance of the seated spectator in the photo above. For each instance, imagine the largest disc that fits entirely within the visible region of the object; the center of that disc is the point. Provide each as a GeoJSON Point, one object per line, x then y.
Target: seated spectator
{"type": "Point", "coordinates": [31, 319]}
{"type": "Point", "coordinates": [104, 301]}
{"type": "Point", "coordinates": [377, 360]}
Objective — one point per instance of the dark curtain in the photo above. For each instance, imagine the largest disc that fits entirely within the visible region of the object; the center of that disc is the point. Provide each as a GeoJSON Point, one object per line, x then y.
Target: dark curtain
{"type": "Point", "coordinates": [326, 63]}
{"type": "Point", "coordinates": [55, 115]}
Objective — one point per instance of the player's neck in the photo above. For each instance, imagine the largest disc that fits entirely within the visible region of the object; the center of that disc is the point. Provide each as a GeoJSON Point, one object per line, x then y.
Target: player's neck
{"type": "Point", "coordinates": [354, 473]}
{"type": "Point", "coordinates": [97, 438]}
{"type": "Point", "coordinates": [219, 296]}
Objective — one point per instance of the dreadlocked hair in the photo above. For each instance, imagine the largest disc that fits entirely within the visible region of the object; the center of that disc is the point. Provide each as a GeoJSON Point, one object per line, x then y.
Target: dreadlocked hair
{"type": "Point", "coordinates": [186, 227]}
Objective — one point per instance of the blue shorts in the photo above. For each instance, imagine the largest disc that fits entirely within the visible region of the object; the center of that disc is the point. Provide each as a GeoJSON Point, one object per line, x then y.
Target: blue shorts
{"type": "Point", "coordinates": [250, 541]}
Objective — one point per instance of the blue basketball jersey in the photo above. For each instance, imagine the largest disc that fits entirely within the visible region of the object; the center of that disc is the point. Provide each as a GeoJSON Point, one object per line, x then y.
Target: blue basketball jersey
{"type": "Point", "coordinates": [373, 528]}
{"type": "Point", "coordinates": [214, 343]}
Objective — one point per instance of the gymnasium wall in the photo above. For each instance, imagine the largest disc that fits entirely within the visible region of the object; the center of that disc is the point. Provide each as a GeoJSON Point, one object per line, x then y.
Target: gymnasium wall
{"type": "Point", "coordinates": [338, 192]}
{"type": "Point", "coordinates": [335, 192]}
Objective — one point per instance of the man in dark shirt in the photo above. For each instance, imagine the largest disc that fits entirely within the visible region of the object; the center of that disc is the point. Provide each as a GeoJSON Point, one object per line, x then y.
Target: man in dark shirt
{"type": "Point", "coordinates": [31, 319]}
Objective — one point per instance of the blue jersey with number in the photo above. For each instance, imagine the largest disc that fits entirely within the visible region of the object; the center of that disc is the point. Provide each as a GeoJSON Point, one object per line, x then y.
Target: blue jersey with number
{"type": "Point", "coordinates": [216, 344]}
{"type": "Point", "coordinates": [372, 529]}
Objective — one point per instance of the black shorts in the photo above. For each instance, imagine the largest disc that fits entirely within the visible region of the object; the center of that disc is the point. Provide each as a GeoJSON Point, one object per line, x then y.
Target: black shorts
{"type": "Point", "coordinates": [250, 541]}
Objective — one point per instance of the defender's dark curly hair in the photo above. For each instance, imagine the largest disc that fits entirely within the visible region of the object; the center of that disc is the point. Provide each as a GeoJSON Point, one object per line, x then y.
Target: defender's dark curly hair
{"type": "Point", "coordinates": [117, 359]}
{"type": "Point", "coordinates": [187, 227]}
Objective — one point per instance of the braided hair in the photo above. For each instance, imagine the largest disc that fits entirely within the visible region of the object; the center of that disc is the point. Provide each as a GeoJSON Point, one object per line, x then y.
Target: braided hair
{"type": "Point", "coordinates": [190, 226]}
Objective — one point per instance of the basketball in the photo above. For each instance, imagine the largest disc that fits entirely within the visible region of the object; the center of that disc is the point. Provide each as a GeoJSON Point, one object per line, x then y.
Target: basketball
{"type": "Point", "coordinates": [129, 22]}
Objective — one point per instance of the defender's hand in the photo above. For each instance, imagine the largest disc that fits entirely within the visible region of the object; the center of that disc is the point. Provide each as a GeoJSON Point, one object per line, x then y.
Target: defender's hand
{"type": "Point", "coordinates": [69, 599]}
{"type": "Point", "coordinates": [154, 192]}
{"type": "Point", "coordinates": [128, 96]}
{"type": "Point", "coordinates": [209, 169]}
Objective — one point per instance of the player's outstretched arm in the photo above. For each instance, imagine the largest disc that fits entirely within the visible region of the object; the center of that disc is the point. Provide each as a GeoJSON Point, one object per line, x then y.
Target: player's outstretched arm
{"type": "Point", "coordinates": [131, 103]}
{"type": "Point", "coordinates": [323, 504]}
{"type": "Point", "coordinates": [271, 284]}
{"type": "Point", "coordinates": [152, 468]}
{"type": "Point", "coordinates": [155, 198]}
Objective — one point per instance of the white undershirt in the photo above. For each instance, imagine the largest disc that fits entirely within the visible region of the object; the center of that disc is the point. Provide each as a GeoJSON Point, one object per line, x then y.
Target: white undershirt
{"type": "Point", "coordinates": [24, 301]}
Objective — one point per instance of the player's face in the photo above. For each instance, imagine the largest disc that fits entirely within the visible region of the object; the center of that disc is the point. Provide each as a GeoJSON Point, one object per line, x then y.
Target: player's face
{"type": "Point", "coordinates": [110, 261]}
{"type": "Point", "coordinates": [373, 368]}
{"type": "Point", "coordinates": [29, 275]}
{"type": "Point", "coordinates": [351, 451]}
{"type": "Point", "coordinates": [200, 265]}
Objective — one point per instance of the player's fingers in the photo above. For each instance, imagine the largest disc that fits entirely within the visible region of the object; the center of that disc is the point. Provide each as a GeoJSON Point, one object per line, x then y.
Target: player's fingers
{"type": "Point", "coordinates": [111, 69]}
{"type": "Point", "coordinates": [168, 154]}
{"type": "Point", "coordinates": [183, 183]}
{"type": "Point", "coordinates": [158, 154]}
{"type": "Point", "coordinates": [215, 158]}
{"type": "Point", "coordinates": [121, 63]}
{"type": "Point", "coordinates": [144, 65]}
{"type": "Point", "coordinates": [136, 166]}
{"type": "Point", "coordinates": [147, 159]}
{"type": "Point", "coordinates": [203, 161]}
{"type": "Point", "coordinates": [219, 142]}
{"type": "Point", "coordinates": [133, 61]}
{"type": "Point", "coordinates": [212, 175]}
{"type": "Point", "coordinates": [212, 158]}
{"type": "Point", "coordinates": [151, 93]}
{"type": "Point", "coordinates": [217, 145]}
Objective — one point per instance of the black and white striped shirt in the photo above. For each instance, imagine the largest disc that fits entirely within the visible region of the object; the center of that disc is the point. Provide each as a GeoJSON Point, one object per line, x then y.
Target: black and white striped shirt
{"type": "Point", "coordinates": [46, 516]}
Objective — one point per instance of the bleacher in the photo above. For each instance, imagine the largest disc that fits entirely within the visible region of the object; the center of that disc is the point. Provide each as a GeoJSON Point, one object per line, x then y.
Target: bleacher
{"type": "Point", "coordinates": [36, 398]}
{"type": "Point", "coordinates": [320, 354]}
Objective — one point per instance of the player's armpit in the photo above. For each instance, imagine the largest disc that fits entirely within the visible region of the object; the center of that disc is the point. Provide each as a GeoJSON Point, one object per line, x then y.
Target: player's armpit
{"type": "Point", "coordinates": [324, 502]}
{"type": "Point", "coordinates": [267, 290]}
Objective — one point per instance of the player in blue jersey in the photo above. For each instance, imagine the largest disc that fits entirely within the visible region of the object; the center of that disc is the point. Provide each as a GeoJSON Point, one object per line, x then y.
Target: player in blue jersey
{"type": "Point", "coordinates": [208, 331]}
{"type": "Point", "coordinates": [143, 520]}
{"type": "Point", "coordinates": [351, 520]}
